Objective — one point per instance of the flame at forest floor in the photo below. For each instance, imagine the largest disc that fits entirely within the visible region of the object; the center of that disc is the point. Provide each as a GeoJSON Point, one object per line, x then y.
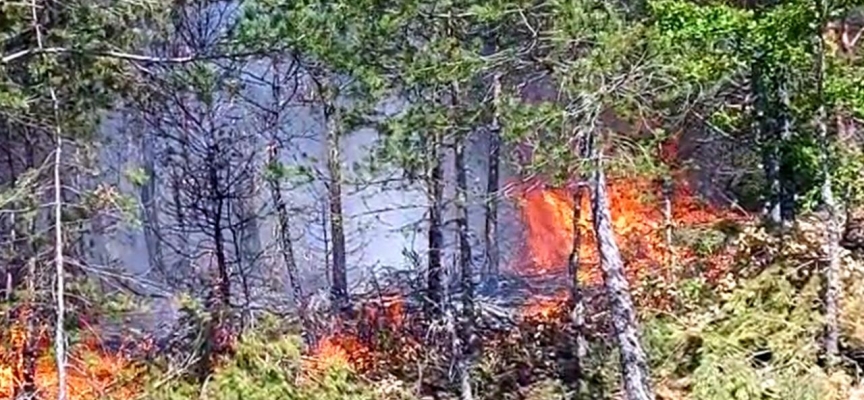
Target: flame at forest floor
{"type": "Point", "coordinates": [639, 224]}
{"type": "Point", "coordinates": [383, 335]}
{"type": "Point", "coordinates": [92, 371]}
{"type": "Point", "coordinates": [547, 215]}
{"type": "Point", "coordinates": [378, 335]}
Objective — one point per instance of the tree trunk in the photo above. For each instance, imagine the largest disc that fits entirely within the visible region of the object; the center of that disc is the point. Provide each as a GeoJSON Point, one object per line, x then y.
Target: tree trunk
{"type": "Point", "coordinates": [831, 241]}
{"type": "Point", "coordinates": [150, 208]}
{"type": "Point", "coordinates": [29, 351]}
{"type": "Point", "coordinates": [467, 273]}
{"type": "Point", "coordinates": [434, 277]}
{"type": "Point", "coordinates": [220, 299]}
{"type": "Point", "coordinates": [459, 364]}
{"type": "Point", "coordinates": [577, 313]}
{"type": "Point", "coordinates": [223, 283]}
{"type": "Point", "coordinates": [784, 135]}
{"type": "Point", "coordinates": [243, 221]}
{"type": "Point", "coordinates": [492, 184]}
{"type": "Point", "coordinates": [286, 246]}
{"type": "Point", "coordinates": [770, 123]}
{"type": "Point", "coordinates": [339, 288]}
{"type": "Point", "coordinates": [770, 152]}
{"type": "Point", "coordinates": [184, 263]}
{"type": "Point", "coordinates": [12, 267]}
{"type": "Point", "coordinates": [668, 189]}
{"type": "Point", "coordinates": [59, 243]}
{"type": "Point", "coordinates": [832, 270]}
{"type": "Point", "coordinates": [634, 364]}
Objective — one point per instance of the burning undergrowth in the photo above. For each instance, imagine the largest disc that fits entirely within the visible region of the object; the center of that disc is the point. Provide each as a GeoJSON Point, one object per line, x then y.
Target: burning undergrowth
{"type": "Point", "coordinates": [95, 369]}
{"type": "Point", "coordinates": [522, 315]}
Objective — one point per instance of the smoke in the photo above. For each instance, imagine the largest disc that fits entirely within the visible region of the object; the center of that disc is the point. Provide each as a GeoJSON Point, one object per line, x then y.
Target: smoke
{"type": "Point", "coordinates": [384, 215]}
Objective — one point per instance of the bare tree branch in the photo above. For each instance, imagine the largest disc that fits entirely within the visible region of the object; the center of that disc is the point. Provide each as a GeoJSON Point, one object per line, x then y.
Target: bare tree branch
{"type": "Point", "coordinates": [7, 59]}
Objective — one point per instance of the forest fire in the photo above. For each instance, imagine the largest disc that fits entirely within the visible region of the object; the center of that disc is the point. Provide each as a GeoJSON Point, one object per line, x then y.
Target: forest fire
{"type": "Point", "coordinates": [365, 345]}
{"type": "Point", "coordinates": [638, 221]}
{"type": "Point", "coordinates": [92, 371]}
{"type": "Point", "coordinates": [381, 333]}
{"type": "Point", "coordinates": [339, 350]}
{"type": "Point", "coordinates": [547, 215]}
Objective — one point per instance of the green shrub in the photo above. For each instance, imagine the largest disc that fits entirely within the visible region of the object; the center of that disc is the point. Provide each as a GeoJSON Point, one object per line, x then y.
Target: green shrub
{"type": "Point", "coordinates": [762, 342]}
{"type": "Point", "coordinates": [266, 366]}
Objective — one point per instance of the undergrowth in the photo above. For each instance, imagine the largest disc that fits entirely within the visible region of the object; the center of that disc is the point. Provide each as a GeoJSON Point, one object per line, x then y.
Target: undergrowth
{"type": "Point", "coordinates": [755, 335]}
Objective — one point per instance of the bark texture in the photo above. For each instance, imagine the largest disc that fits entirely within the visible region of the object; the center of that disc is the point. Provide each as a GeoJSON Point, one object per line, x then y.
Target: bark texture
{"type": "Point", "coordinates": [634, 364]}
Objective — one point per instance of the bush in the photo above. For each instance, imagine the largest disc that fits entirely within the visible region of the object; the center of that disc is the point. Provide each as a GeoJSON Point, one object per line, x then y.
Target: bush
{"type": "Point", "coordinates": [761, 336]}
{"type": "Point", "coordinates": [268, 366]}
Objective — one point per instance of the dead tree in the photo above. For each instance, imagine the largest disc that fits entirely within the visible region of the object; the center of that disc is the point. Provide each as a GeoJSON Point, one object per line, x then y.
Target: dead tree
{"type": "Point", "coordinates": [831, 242]}
{"type": "Point", "coordinates": [209, 164]}
{"type": "Point", "coordinates": [59, 250]}
{"type": "Point", "coordinates": [634, 363]}
{"type": "Point", "coordinates": [286, 245]}
{"type": "Point", "coordinates": [577, 313]}
{"type": "Point", "coordinates": [282, 85]}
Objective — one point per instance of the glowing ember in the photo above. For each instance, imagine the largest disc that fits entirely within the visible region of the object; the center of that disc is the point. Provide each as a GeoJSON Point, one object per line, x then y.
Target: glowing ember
{"type": "Point", "coordinates": [545, 308]}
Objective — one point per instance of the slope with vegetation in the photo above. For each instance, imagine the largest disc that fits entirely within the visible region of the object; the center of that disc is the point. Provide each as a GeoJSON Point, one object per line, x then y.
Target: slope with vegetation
{"type": "Point", "coordinates": [685, 178]}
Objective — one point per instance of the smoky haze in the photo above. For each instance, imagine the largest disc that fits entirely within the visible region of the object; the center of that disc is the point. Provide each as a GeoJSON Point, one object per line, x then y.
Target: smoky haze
{"type": "Point", "coordinates": [384, 214]}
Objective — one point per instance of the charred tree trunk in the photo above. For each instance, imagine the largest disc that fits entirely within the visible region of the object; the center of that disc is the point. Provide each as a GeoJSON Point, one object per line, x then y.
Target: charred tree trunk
{"type": "Point", "coordinates": [492, 183]}
{"type": "Point", "coordinates": [435, 184]}
{"type": "Point", "coordinates": [634, 363]}
{"type": "Point", "coordinates": [577, 313]}
{"type": "Point", "coordinates": [339, 287]}
{"type": "Point", "coordinates": [219, 298]}
{"type": "Point", "coordinates": [223, 282]}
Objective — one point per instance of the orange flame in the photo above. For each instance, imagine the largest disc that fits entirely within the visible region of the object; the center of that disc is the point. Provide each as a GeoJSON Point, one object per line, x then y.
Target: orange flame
{"type": "Point", "coordinates": [637, 219]}
{"type": "Point", "coordinates": [548, 217]}
{"type": "Point", "coordinates": [358, 347]}
{"type": "Point", "coordinates": [91, 372]}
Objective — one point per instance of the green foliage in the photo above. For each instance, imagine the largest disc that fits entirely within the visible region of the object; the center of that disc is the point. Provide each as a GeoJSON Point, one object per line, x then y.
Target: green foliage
{"type": "Point", "coordinates": [357, 38]}
{"type": "Point", "coordinates": [294, 173]}
{"type": "Point", "coordinates": [267, 365]}
{"type": "Point", "coordinates": [85, 83]}
{"type": "Point", "coordinates": [762, 340]}
{"type": "Point", "coordinates": [703, 44]}
{"type": "Point", "coordinates": [713, 50]}
{"type": "Point", "coordinates": [844, 87]}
